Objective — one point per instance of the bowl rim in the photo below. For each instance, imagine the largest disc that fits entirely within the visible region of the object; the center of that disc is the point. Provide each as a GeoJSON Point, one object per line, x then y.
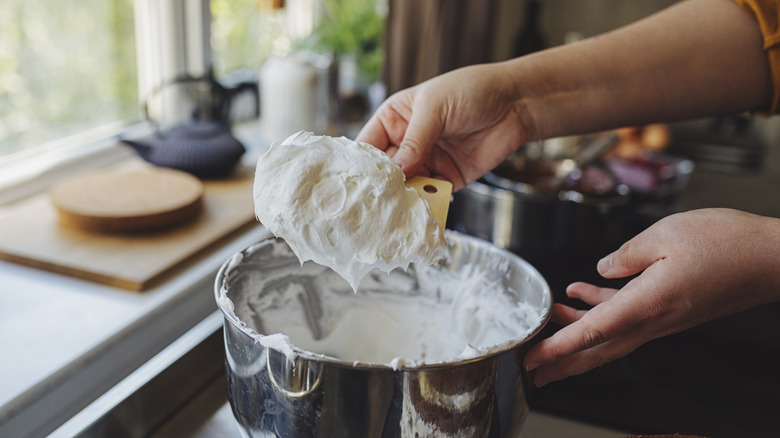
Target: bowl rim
{"type": "Point", "coordinates": [503, 188]}
{"type": "Point", "coordinates": [507, 346]}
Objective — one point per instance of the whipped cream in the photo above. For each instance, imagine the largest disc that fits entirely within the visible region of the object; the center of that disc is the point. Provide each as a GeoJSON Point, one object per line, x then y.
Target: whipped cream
{"type": "Point", "coordinates": [429, 314]}
{"type": "Point", "coordinates": [343, 204]}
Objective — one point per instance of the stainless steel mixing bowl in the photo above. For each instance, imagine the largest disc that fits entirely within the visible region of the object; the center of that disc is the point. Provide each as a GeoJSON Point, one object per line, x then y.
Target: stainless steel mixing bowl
{"type": "Point", "coordinates": [317, 396]}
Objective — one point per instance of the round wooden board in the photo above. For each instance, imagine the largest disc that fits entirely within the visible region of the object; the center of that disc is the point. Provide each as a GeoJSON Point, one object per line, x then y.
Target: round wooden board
{"type": "Point", "coordinates": [127, 200]}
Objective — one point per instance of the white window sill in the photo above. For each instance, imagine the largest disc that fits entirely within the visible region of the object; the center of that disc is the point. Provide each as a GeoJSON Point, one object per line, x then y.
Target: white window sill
{"type": "Point", "coordinates": [65, 341]}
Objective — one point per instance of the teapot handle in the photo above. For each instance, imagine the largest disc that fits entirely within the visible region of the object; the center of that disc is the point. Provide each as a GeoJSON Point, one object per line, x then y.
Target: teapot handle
{"type": "Point", "coordinates": [241, 88]}
{"type": "Point", "coordinates": [221, 97]}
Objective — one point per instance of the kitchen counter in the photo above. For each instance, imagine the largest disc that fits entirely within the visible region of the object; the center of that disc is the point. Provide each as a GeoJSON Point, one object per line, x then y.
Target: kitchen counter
{"type": "Point", "coordinates": [71, 340]}
{"type": "Point", "coordinates": [538, 425]}
{"type": "Point", "coordinates": [65, 340]}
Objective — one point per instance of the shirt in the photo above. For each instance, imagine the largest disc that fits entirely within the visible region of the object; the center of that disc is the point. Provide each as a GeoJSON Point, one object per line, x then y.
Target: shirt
{"type": "Point", "coordinates": [767, 13]}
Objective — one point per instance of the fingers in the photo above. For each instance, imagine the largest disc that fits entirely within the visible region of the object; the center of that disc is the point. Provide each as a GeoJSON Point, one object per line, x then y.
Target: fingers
{"type": "Point", "coordinates": [374, 133]}
{"type": "Point", "coordinates": [405, 128]}
{"type": "Point", "coordinates": [575, 337]}
{"type": "Point", "coordinates": [619, 323]}
{"type": "Point", "coordinates": [633, 256]}
{"type": "Point", "coordinates": [612, 318]}
{"type": "Point", "coordinates": [421, 133]}
{"type": "Point", "coordinates": [589, 293]}
{"type": "Point", "coordinates": [582, 345]}
{"type": "Point", "coordinates": [565, 315]}
{"type": "Point", "coordinates": [586, 360]}
{"type": "Point", "coordinates": [386, 127]}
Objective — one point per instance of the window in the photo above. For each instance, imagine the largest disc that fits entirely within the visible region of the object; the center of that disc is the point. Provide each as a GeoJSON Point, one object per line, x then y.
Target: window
{"type": "Point", "coordinates": [72, 67]}
{"type": "Point", "coordinates": [66, 67]}
{"type": "Point", "coordinates": [235, 34]}
{"type": "Point", "coordinates": [245, 32]}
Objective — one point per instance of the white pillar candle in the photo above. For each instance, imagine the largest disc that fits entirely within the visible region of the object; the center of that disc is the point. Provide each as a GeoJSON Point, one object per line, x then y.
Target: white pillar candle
{"type": "Point", "coordinates": [291, 98]}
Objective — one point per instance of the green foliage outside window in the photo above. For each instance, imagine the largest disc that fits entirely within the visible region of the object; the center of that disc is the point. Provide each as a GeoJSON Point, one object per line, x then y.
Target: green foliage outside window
{"type": "Point", "coordinates": [352, 27]}
{"type": "Point", "coordinates": [66, 66]}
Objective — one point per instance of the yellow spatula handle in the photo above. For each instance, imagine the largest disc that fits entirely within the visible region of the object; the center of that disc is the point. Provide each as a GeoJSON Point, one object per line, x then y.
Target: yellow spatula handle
{"type": "Point", "coordinates": [437, 192]}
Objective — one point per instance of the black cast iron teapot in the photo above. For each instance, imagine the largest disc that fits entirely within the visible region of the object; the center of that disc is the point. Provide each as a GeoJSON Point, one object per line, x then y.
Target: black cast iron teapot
{"type": "Point", "coordinates": [202, 145]}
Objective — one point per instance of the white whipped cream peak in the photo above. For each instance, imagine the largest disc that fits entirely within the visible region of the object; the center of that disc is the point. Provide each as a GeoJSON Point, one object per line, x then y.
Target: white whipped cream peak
{"type": "Point", "coordinates": [343, 204]}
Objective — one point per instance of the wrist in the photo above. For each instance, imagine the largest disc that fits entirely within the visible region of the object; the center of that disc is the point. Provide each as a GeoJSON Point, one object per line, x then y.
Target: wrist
{"type": "Point", "coordinates": [565, 91]}
{"type": "Point", "coordinates": [532, 92]}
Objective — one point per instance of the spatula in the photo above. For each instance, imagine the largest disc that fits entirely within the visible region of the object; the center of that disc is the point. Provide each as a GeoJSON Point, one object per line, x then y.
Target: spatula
{"type": "Point", "coordinates": [437, 192]}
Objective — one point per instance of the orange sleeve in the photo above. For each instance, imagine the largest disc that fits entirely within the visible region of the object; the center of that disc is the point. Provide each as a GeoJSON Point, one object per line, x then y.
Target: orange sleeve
{"type": "Point", "coordinates": [767, 13]}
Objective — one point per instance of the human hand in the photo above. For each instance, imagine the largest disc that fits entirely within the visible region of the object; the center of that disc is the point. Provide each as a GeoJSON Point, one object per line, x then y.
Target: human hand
{"type": "Point", "coordinates": [695, 267]}
{"type": "Point", "coordinates": [457, 126]}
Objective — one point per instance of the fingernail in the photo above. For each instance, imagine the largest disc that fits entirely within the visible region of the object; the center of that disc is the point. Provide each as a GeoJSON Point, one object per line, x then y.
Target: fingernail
{"type": "Point", "coordinates": [605, 265]}
{"type": "Point", "coordinates": [530, 366]}
{"type": "Point", "coordinates": [400, 164]}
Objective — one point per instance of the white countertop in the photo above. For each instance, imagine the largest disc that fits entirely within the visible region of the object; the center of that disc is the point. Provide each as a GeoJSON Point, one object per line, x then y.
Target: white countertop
{"type": "Point", "coordinates": [537, 425]}
{"type": "Point", "coordinates": [66, 340]}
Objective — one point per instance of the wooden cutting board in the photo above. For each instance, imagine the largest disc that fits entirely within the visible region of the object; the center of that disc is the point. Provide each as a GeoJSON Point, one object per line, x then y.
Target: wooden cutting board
{"type": "Point", "coordinates": [122, 200]}
{"type": "Point", "coordinates": [31, 235]}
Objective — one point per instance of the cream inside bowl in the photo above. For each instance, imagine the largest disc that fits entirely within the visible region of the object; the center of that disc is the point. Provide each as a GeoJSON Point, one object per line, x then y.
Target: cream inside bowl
{"type": "Point", "coordinates": [480, 301]}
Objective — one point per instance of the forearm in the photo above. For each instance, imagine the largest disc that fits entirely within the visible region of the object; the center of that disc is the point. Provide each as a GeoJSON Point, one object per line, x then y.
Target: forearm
{"type": "Point", "coordinates": [697, 58]}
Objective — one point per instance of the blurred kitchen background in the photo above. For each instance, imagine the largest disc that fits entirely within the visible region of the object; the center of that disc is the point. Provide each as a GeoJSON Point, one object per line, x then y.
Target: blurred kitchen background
{"type": "Point", "coordinates": [78, 72]}
{"type": "Point", "coordinates": [78, 67]}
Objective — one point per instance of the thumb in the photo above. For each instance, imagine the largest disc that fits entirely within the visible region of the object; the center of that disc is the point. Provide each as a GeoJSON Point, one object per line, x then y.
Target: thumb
{"type": "Point", "coordinates": [632, 257]}
{"type": "Point", "coordinates": [415, 148]}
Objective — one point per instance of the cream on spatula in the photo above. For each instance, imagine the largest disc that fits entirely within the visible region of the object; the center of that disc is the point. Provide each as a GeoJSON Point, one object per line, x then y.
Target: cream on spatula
{"type": "Point", "coordinates": [345, 205]}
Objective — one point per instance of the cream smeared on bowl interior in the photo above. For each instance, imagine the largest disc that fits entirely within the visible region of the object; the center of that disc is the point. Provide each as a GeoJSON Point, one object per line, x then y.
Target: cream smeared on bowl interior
{"type": "Point", "coordinates": [430, 314]}
{"type": "Point", "coordinates": [343, 204]}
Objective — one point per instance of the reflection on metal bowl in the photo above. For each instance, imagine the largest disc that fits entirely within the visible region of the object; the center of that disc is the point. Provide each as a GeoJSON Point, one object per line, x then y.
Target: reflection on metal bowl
{"type": "Point", "coordinates": [311, 395]}
{"type": "Point", "coordinates": [539, 224]}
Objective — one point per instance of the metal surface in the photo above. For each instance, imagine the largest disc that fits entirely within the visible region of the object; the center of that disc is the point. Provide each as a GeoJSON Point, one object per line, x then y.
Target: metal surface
{"type": "Point", "coordinates": [587, 155]}
{"type": "Point", "coordinates": [313, 396]}
{"type": "Point", "coordinates": [540, 227]}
